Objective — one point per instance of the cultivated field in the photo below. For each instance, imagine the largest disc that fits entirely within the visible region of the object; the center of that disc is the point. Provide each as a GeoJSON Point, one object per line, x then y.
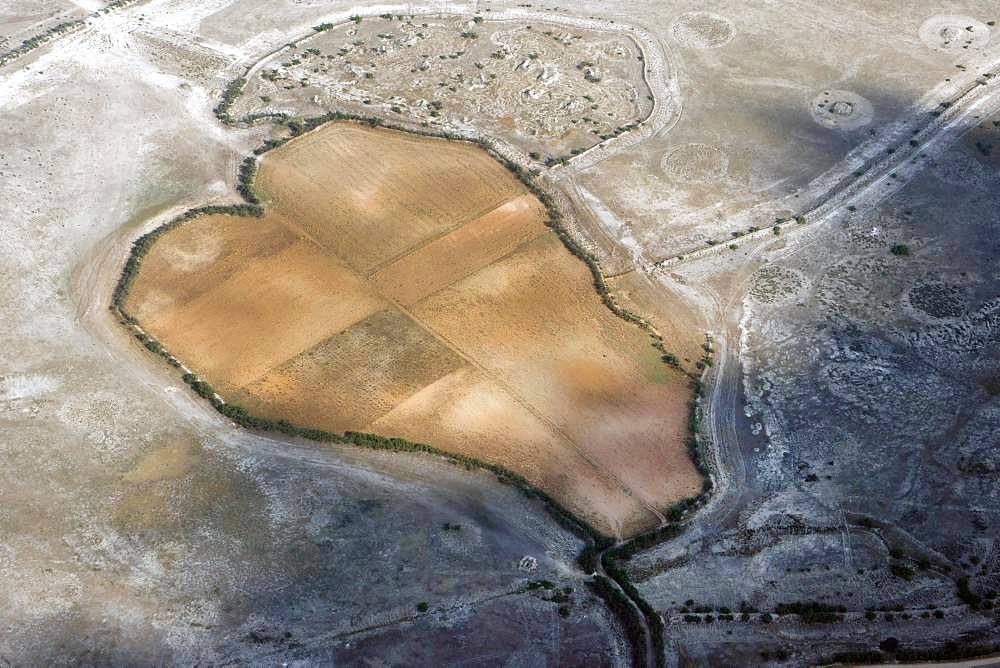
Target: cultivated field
{"type": "Point", "coordinates": [409, 286]}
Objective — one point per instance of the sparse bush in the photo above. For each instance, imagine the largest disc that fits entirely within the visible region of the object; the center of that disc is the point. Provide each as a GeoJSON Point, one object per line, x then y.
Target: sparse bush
{"type": "Point", "coordinates": [247, 174]}
{"type": "Point", "coordinates": [812, 612]}
{"type": "Point", "coordinates": [965, 593]}
{"type": "Point", "coordinates": [622, 608]}
{"type": "Point", "coordinates": [229, 95]}
{"type": "Point", "coordinates": [901, 571]}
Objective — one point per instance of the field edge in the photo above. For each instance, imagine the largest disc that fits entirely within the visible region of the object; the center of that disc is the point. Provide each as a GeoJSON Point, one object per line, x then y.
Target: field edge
{"type": "Point", "coordinates": [601, 552]}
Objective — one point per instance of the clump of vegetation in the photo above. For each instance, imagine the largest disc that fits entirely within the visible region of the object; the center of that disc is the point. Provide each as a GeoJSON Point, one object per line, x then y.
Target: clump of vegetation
{"type": "Point", "coordinates": [33, 43]}
{"type": "Point", "coordinates": [201, 388]}
{"type": "Point", "coordinates": [900, 249]}
{"type": "Point", "coordinates": [229, 96]}
{"type": "Point", "coordinates": [812, 612]}
{"type": "Point", "coordinates": [901, 571]}
{"type": "Point", "coordinates": [247, 174]}
{"type": "Point", "coordinates": [621, 607]}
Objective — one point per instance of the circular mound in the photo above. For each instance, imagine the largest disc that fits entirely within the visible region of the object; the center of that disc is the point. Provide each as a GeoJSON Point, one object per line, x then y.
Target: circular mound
{"type": "Point", "coordinates": [773, 284]}
{"type": "Point", "coordinates": [699, 163]}
{"type": "Point", "coordinates": [948, 32]}
{"type": "Point", "coordinates": [937, 298]}
{"type": "Point", "coordinates": [841, 110]}
{"type": "Point", "coordinates": [702, 30]}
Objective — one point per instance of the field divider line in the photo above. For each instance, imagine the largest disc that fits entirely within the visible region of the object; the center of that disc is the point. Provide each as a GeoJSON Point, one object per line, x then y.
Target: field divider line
{"type": "Point", "coordinates": [311, 347]}
{"type": "Point", "coordinates": [513, 251]}
{"type": "Point", "coordinates": [479, 367]}
{"type": "Point", "coordinates": [531, 409]}
{"type": "Point", "coordinates": [462, 222]}
{"type": "Point", "coordinates": [466, 220]}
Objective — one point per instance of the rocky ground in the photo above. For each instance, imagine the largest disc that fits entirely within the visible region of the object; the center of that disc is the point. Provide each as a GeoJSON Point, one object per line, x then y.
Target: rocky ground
{"type": "Point", "coordinates": [870, 352]}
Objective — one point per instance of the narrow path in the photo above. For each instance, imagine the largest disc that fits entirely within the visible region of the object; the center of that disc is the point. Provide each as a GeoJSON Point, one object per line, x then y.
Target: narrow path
{"type": "Point", "coordinates": [390, 618]}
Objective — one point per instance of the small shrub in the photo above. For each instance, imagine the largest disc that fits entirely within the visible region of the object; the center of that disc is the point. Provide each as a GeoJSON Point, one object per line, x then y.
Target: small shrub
{"type": "Point", "coordinates": [901, 571]}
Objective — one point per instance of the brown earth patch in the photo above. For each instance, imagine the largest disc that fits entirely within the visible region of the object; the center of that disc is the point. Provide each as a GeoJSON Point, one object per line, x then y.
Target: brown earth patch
{"type": "Point", "coordinates": [468, 413]}
{"type": "Point", "coordinates": [408, 286]}
{"type": "Point", "coordinates": [597, 379]}
{"type": "Point", "coordinates": [165, 462]}
{"type": "Point", "coordinates": [264, 314]}
{"type": "Point", "coordinates": [354, 377]}
{"type": "Point", "coordinates": [446, 259]}
{"type": "Point", "coordinates": [369, 195]}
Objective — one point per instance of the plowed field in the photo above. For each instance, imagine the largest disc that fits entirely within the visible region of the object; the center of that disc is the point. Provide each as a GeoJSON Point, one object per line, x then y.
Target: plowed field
{"type": "Point", "coordinates": [408, 286]}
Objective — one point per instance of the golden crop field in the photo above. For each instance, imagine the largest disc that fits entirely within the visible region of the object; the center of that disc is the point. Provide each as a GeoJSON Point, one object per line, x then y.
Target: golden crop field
{"type": "Point", "coordinates": [408, 286]}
